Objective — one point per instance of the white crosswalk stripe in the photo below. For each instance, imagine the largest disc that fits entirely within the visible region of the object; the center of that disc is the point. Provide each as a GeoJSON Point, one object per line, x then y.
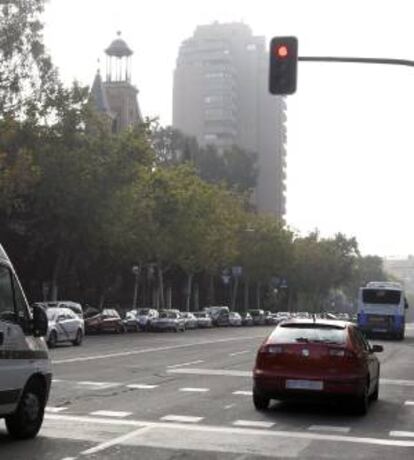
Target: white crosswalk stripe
{"type": "Point", "coordinates": [181, 418]}
{"type": "Point", "coordinates": [253, 424]}
{"type": "Point", "coordinates": [108, 413]}
{"type": "Point", "coordinates": [334, 429]}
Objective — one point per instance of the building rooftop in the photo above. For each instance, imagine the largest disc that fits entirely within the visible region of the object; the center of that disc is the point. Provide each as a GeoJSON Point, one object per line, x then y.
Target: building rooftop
{"type": "Point", "coordinates": [119, 48]}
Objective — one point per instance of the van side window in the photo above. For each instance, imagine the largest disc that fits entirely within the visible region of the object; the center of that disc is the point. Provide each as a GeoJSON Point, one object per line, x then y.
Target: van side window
{"type": "Point", "coordinates": [7, 312]}
{"type": "Point", "coordinates": [21, 306]}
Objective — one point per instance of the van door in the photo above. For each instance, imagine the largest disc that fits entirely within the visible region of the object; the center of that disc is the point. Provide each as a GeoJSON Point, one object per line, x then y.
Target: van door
{"type": "Point", "coordinates": [14, 368]}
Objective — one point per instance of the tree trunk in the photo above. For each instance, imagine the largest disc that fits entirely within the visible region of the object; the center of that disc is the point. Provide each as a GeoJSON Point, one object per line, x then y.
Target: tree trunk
{"type": "Point", "coordinates": [169, 296]}
{"type": "Point", "coordinates": [188, 291]}
{"type": "Point", "coordinates": [161, 286]}
{"type": "Point", "coordinates": [196, 297]}
{"type": "Point", "coordinates": [211, 291]}
{"type": "Point", "coordinates": [234, 294]}
{"type": "Point", "coordinates": [55, 276]}
{"type": "Point", "coordinates": [246, 294]}
{"type": "Point", "coordinates": [258, 295]}
{"type": "Point", "coordinates": [101, 301]}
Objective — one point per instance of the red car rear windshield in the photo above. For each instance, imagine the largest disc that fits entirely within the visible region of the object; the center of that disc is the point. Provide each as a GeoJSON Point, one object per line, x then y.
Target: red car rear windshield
{"type": "Point", "coordinates": [297, 333]}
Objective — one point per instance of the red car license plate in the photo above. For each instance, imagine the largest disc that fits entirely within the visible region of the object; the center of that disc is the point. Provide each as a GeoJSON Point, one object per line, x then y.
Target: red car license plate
{"type": "Point", "coordinates": [315, 385]}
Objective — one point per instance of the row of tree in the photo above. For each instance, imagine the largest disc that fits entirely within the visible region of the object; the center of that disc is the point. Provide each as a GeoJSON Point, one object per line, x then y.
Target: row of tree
{"type": "Point", "coordinates": [80, 206]}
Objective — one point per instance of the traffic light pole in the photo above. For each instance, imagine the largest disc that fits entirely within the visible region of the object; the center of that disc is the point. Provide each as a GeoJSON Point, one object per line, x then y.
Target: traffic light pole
{"type": "Point", "coordinates": [357, 60]}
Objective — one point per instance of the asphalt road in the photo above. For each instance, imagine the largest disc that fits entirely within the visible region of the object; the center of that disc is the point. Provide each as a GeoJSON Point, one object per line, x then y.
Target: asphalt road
{"type": "Point", "coordinates": [188, 396]}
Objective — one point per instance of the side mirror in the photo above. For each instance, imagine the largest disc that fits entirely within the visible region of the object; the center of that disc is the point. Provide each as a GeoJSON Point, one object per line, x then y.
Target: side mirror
{"type": "Point", "coordinates": [377, 349]}
{"type": "Point", "coordinates": [40, 321]}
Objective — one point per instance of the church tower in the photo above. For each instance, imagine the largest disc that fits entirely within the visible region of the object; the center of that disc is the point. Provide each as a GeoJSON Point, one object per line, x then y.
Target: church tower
{"type": "Point", "coordinates": [117, 97]}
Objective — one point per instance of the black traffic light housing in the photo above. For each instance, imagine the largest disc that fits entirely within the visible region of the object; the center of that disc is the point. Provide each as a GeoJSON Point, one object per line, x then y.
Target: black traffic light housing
{"type": "Point", "coordinates": [283, 65]}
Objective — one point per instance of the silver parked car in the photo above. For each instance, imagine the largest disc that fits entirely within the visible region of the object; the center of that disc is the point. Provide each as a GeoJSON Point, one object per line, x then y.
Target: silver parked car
{"type": "Point", "coordinates": [235, 319]}
{"type": "Point", "coordinates": [190, 320]}
{"type": "Point", "coordinates": [145, 316]}
{"type": "Point", "coordinates": [168, 320]}
{"type": "Point", "coordinates": [203, 319]}
{"type": "Point", "coordinates": [64, 325]}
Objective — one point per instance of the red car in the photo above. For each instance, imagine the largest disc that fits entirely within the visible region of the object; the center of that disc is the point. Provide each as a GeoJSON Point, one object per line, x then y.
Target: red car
{"type": "Point", "coordinates": [316, 358]}
{"type": "Point", "coordinates": [106, 321]}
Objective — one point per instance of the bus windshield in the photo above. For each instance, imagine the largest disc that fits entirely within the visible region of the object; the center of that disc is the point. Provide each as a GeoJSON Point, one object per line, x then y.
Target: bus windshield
{"type": "Point", "coordinates": [381, 296]}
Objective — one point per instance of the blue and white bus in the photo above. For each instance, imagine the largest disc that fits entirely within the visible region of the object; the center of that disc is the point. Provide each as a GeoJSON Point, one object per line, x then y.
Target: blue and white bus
{"type": "Point", "coordinates": [381, 309]}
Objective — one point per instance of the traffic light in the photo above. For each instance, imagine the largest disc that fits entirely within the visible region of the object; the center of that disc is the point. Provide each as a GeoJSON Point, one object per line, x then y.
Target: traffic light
{"type": "Point", "coordinates": [283, 65]}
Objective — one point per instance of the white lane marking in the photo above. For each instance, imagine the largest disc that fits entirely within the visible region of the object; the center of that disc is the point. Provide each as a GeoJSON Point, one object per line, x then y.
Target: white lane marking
{"type": "Point", "coordinates": [141, 386]}
{"type": "Point", "coordinates": [69, 458]}
{"type": "Point", "coordinates": [55, 410]}
{"type": "Point", "coordinates": [335, 429]}
{"type": "Point", "coordinates": [185, 364]}
{"type": "Point", "coordinates": [98, 384]}
{"type": "Point", "coordinates": [56, 380]}
{"type": "Point", "coordinates": [195, 390]}
{"type": "Point", "coordinates": [229, 406]}
{"type": "Point", "coordinates": [253, 424]}
{"type": "Point", "coordinates": [220, 372]}
{"type": "Point", "coordinates": [243, 393]}
{"type": "Point", "coordinates": [234, 430]}
{"type": "Point", "coordinates": [407, 383]}
{"type": "Point", "coordinates": [115, 441]}
{"type": "Point", "coordinates": [181, 418]}
{"type": "Point", "coordinates": [402, 434]}
{"type": "Point", "coordinates": [409, 403]}
{"type": "Point", "coordinates": [235, 373]}
{"type": "Point", "coordinates": [239, 353]}
{"type": "Point", "coordinates": [109, 413]}
{"type": "Point", "coordinates": [154, 349]}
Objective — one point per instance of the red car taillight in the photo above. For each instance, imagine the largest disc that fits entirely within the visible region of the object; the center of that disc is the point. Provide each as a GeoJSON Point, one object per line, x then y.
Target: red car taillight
{"type": "Point", "coordinates": [271, 349]}
{"type": "Point", "coordinates": [342, 353]}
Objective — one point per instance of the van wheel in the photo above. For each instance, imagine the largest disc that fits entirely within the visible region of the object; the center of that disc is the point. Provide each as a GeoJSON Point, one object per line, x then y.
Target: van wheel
{"type": "Point", "coordinates": [51, 343]}
{"type": "Point", "coordinates": [25, 423]}
{"type": "Point", "coordinates": [79, 338]}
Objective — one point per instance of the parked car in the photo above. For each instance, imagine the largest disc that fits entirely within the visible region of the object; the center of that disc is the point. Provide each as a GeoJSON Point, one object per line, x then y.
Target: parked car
{"type": "Point", "coordinates": [270, 319]}
{"type": "Point", "coordinates": [190, 320]}
{"type": "Point", "coordinates": [25, 379]}
{"type": "Point", "coordinates": [74, 306]}
{"type": "Point", "coordinates": [131, 322]}
{"type": "Point", "coordinates": [203, 319]}
{"type": "Point", "coordinates": [168, 320]}
{"type": "Point", "coordinates": [145, 316]}
{"type": "Point", "coordinates": [259, 317]}
{"type": "Point", "coordinates": [219, 315]}
{"type": "Point", "coordinates": [106, 321]}
{"type": "Point", "coordinates": [322, 358]}
{"type": "Point", "coordinates": [247, 319]}
{"type": "Point", "coordinates": [64, 326]}
{"type": "Point", "coordinates": [235, 319]}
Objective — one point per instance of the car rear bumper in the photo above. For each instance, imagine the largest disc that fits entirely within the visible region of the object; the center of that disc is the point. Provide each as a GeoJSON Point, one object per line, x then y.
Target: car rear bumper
{"type": "Point", "coordinates": [274, 386]}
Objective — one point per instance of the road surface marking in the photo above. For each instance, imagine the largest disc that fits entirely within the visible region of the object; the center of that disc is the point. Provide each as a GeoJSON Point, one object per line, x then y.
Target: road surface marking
{"type": "Point", "coordinates": [253, 424]}
{"type": "Point", "coordinates": [312, 436]}
{"type": "Point", "coordinates": [98, 384]}
{"type": "Point", "coordinates": [141, 386]}
{"type": "Point", "coordinates": [56, 380]}
{"type": "Point", "coordinates": [239, 353]}
{"type": "Point", "coordinates": [402, 434]}
{"type": "Point", "coordinates": [195, 390]}
{"type": "Point", "coordinates": [108, 413]}
{"type": "Point", "coordinates": [220, 372]}
{"type": "Point", "coordinates": [407, 383]}
{"type": "Point", "coordinates": [335, 429]}
{"type": "Point", "coordinates": [243, 393]}
{"type": "Point", "coordinates": [229, 406]}
{"type": "Point", "coordinates": [154, 349]}
{"type": "Point", "coordinates": [55, 410]}
{"type": "Point", "coordinates": [181, 418]}
{"type": "Point", "coordinates": [185, 364]}
{"type": "Point", "coordinates": [409, 403]}
{"type": "Point", "coordinates": [235, 373]}
{"type": "Point", "coordinates": [115, 441]}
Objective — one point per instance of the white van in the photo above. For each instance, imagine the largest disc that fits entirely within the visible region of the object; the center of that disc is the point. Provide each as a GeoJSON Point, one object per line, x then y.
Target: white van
{"type": "Point", "coordinates": [25, 368]}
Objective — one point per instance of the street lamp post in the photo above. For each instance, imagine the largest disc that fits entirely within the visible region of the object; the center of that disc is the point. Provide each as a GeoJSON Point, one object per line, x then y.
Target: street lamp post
{"type": "Point", "coordinates": [136, 270]}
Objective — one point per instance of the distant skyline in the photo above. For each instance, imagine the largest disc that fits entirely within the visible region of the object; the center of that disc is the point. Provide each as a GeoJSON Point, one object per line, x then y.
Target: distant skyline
{"type": "Point", "coordinates": [350, 147]}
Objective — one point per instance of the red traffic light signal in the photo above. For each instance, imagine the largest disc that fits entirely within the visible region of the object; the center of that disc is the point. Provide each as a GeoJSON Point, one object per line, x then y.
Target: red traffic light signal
{"type": "Point", "coordinates": [283, 65]}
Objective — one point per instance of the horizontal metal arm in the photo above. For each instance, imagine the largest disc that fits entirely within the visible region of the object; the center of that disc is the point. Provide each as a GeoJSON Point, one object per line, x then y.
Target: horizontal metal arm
{"type": "Point", "coordinates": [357, 60]}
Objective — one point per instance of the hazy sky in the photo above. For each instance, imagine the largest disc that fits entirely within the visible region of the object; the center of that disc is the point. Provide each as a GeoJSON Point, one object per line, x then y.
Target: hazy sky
{"type": "Point", "coordinates": [350, 127]}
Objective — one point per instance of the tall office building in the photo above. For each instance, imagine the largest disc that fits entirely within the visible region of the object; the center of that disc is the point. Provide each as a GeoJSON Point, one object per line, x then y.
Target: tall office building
{"type": "Point", "coordinates": [221, 97]}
